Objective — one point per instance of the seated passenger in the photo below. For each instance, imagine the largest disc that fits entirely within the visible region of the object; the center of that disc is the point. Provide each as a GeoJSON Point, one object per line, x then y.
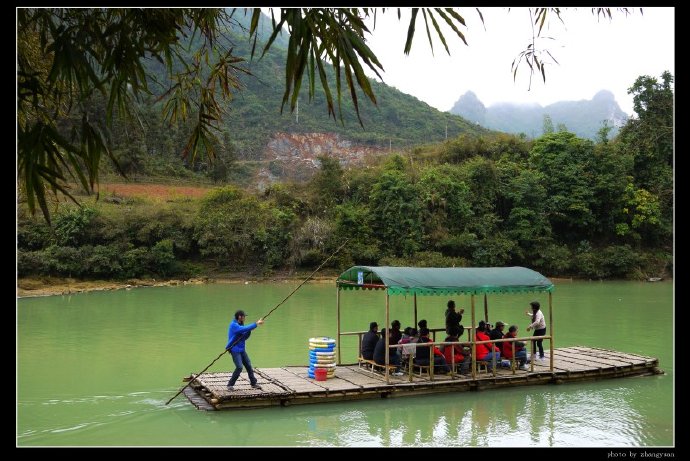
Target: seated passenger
{"type": "Point", "coordinates": [396, 334]}
{"type": "Point", "coordinates": [369, 341]}
{"type": "Point", "coordinates": [454, 353]}
{"type": "Point", "coordinates": [520, 352]}
{"type": "Point", "coordinates": [486, 352]}
{"type": "Point", "coordinates": [497, 332]}
{"type": "Point", "coordinates": [409, 338]}
{"type": "Point", "coordinates": [380, 354]}
{"type": "Point", "coordinates": [422, 355]}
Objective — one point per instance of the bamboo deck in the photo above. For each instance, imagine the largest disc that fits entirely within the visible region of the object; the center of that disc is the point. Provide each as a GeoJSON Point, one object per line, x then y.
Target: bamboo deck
{"type": "Point", "coordinates": [290, 385]}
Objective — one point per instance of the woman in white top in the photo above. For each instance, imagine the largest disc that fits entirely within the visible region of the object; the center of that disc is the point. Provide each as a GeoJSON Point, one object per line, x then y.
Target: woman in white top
{"type": "Point", "coordinates": [539, 326]}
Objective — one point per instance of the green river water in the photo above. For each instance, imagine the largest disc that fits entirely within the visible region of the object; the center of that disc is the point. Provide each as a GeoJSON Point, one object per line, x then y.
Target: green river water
{"type": "Point", "coordinates": [95, 369]}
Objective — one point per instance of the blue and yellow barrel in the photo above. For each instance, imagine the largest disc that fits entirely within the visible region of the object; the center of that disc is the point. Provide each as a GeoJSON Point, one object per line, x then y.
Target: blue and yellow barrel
{"type": "Point", "coordinates": [321, 357]}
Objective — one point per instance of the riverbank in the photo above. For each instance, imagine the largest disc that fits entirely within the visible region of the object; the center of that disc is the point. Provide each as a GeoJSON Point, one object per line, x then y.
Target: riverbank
{"type": "Point", "coordinates": [52, 286]}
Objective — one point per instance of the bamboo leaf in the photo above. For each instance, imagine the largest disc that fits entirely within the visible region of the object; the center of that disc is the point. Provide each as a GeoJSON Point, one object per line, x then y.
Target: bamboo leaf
{"type": "Point", "coordinates": [410, 30]}
{"type": "Point", "coordinates": [428, 32]}
{"type": "Point", "coordinates": [438, 32]}
{"type": "Point", "coordinates": [452, 24]}
{"type": "Point", "coordinates": [481, 16]}
{"type": "Point", "coordinates": [542, 14]}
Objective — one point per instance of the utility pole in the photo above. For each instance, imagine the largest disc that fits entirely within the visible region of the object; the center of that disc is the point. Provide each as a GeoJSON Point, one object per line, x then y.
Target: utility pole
{"type": "Point", "coordinates": [446, 130]}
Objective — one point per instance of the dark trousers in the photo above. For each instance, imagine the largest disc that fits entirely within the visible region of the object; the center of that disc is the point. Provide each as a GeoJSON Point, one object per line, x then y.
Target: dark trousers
{"type": "Point", "coordinates": [440, 365]}
{"type": "Point", "coordinates": [539, 332]}
{"type": "Point", "coordinates": [241, 358]}
{"type": "Point", "coordinates": [521, 356]}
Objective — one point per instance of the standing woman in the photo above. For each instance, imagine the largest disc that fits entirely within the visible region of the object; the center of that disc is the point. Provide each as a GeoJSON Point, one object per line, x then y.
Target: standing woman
{"type": "Point", "coordinates": [539, 326]}
{"type": "Point", "coordinates": [453, 319]}
{"type": "Point", "coordinates": [237, 335]}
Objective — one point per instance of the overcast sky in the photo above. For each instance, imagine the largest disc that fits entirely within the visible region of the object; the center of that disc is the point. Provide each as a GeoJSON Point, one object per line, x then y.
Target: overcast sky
{"type": "Point", "coordinates": [592, 54]}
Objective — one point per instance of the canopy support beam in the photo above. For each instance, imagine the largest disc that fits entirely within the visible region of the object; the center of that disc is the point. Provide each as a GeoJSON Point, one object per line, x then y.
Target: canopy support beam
{"type": "Point", "coordinates": [387, 335]}
{"type": "Point", "coordinates": [551, 332]}
{"type": "Point", "coordinates": [474, 342]}
{"type": "Point", "coordinates": [337, 291]}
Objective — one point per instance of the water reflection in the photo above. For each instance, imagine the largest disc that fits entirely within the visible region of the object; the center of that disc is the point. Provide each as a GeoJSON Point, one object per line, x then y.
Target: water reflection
{"type": "Point", "coordinates": [535, 416]}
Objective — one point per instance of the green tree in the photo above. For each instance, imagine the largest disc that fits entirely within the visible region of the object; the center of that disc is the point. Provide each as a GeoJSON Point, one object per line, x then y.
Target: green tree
{"type": "Point", "coordinates": [396, 212]}
{"type": "Point", "coordinates": [548, 124]}
{"type": "Point", "coordinates": [446, 204]}
{"type": "Point", "coordinates": [528, 223]}
{"type": "Point", "coordinates": [71, 226]}
{"type": "Point", "coordinates": [162, 257]}
{"type": "Point", "coordinates": [603, 133]}
{"type": "Point", "coordinates": [565, 161]}
{"type": "Point", "coordinates": [327, 184]}
{"type": "Point", "coordinates": [241, 232]}
{"type": "Point", "coordinates": [353, 221]}
{"type": "Point", "coordinates": [609, 172]}
{"type": "Point", "coordinates": [649, 139]}
{"type": "Point", "coordinates": [226, 225]}
{"type": "Point", "coordinates": [642, 213]}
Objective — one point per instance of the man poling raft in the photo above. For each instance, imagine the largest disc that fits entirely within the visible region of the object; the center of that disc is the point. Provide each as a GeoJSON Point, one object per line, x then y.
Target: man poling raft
{"type": "Point", "coordinates": [238, 352]}
{"type": "Point", "coordinates": [239, 337]}
{"type": "Point", "coordinates": [321, 357]}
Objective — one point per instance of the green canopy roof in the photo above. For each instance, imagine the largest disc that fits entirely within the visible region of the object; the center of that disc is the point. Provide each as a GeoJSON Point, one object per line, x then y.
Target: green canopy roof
{"type": "Point", "coordinates": [444, 280]}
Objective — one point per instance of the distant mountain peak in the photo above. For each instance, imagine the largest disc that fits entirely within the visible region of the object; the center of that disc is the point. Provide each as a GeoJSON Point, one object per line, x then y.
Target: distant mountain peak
{"type": "Point", "coordinates": [470, 107]}
{"type": "Point", "coordinates": [584, 117]}
{"type": "Point", "coordinates": [604, 95]}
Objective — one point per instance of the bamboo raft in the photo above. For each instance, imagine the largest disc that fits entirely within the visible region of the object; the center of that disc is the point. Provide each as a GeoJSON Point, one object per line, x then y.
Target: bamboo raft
{"type": "Point", "coordinates": [290, 385]}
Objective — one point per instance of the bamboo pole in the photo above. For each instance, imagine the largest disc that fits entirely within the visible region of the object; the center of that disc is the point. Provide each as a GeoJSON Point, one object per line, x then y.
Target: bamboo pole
{"type": "Point", "coordinates": [486, 309]}
{"type": "Point", "coordinates": [337, 295]}
{"type": "Point", "coordinates": [551, 332]}
{"type": "Point", "coordinates": [474, 343]}
{"type": "Point", "coordinates": [415, 311]}
{"type": "Point", "coordinates": [388, 379]}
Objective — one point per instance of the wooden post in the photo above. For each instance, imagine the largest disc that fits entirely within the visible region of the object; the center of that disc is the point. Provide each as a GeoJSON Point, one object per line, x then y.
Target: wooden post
{"type": "Point", "coordinates": [388, 379]}
{"type": "Point", "coordinates": [551, 332]}
{"type": "Point", "coordinates": [431, 362]}
{"type": "Point", "coordinates": [486, 309]}
{"type": "Point", "coordinates": [337, 294]}
{"type": "Point", "coordinates": [410, 364]}
{"type": "Point", "coordinates": [452, 359]}
{"type": "Point", "coordinates": [474, 343]}
{"type": "Point", "coordinates": [533, 349]}
{"type": "Point", "coordinates": [415, 311]}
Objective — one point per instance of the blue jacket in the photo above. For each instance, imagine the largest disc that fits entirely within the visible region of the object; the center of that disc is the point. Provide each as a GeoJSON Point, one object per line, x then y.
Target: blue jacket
{"type": "Point", "coordinates": [235, 330]}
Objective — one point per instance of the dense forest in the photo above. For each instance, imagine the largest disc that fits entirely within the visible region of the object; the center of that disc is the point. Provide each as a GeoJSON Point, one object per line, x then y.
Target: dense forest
{"type": "Point", "coordinates": [560, 204]}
